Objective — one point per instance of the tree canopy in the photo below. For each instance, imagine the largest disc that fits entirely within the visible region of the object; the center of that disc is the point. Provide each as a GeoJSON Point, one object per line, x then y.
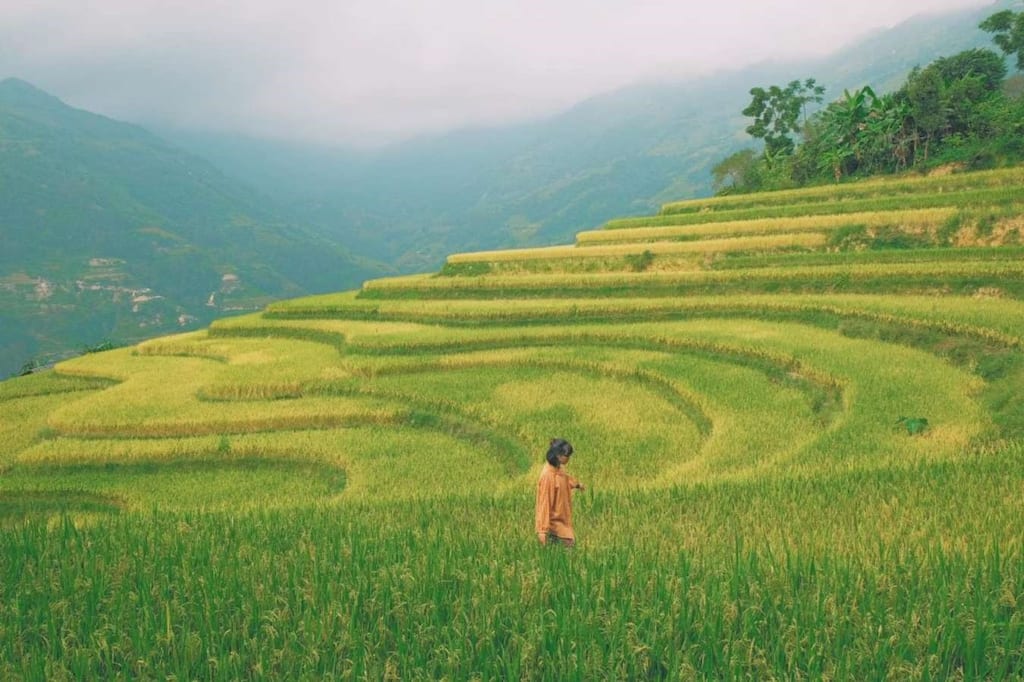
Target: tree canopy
{"type": "Point", "coordinates": [959, 108]}
{"type": "Point", "coordinates": [1008, 29]}
{"type": "Point", "coordinates": [776, 112]}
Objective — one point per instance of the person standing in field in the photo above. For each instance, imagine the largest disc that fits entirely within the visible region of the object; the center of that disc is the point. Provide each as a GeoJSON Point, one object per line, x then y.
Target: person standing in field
{"type": "Point", "coordinates": [554, 496]}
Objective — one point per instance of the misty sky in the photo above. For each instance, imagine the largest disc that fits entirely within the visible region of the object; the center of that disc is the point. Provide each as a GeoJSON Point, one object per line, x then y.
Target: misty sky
{"type": "Point", "coordinates": [368, 71]}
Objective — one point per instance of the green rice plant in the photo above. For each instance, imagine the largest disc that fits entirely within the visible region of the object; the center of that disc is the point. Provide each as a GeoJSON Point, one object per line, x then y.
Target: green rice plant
{"type": "Point", "coordinates": [47, 383]}
{"type": "Point", "coordinates": [334, 332]}
{"type": "Point", "coordinates": [638, 262]}
{"type": "Point", "coordinates": [471, 268]}
{"type": "Point", "coordinates": [1007, 198]}
{"type": "Point", "coordinates": [917, 219]}
{"type": "Point", "coordinates": [62, 451]}
{"type": "Point", "coordinates": [23, 421]}
{"type": "Point", "coordinates": [955, 277]}
{"type": "Point", "coordinates": [104, 418]}
{"type": "Point", "coordinates": [281, 365]}
{"type": "Point", "coordinates": [195, 472]}
{"type": "Point", "coordinates": [193, 484]}
{"type": "Point", "coordinates": [145, 404]}
{"type": "Point", "coordinates": [18, 507]}
{"type": "Point", "coordinates": [744, 579]}
{"type": "Point", "coordinates": [388, 356]}
{"type": "Point", "coordinates": [653, 247]}
{"type": "Point", "coordinates": [548, 401]}
{"type": "Point", "coordinates": [986, 317]}
{"type": "Point", "coordinates": [917, 255]}
{"type": "Point", "coordinates": [583, 264]}
{"type": "Point", "coordinates": [318, 302]}
{"type": "Point", "coordinates": [404, 382]}
{"type": "Point", "coordinates": [536, 253]}
{"type": "Point", "coordinates": [990, 318]}
{"type": "Point", "coordinates": [341, 487]}
{"type": "Point", "coordinates": [661, 406]}
{"type": "Point", "coordinates": [924, 322]}
{"type": "Point", "coordinates": [861, 439]}
{"type": "Point", "coordinates": [219, 420]}
{"type": "Point", "coordinates": [881, 187]}
{"type": "Point", "coordinates": [963, 418]}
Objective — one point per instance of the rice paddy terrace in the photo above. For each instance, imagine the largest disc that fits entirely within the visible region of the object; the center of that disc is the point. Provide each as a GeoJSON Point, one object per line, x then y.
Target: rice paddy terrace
{"type": "Point", "coordinates": [799, 415]}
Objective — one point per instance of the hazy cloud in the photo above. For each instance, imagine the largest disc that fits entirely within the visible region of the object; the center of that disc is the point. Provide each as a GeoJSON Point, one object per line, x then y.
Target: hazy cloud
{"type": "Point", "coordinates": [369, 70]}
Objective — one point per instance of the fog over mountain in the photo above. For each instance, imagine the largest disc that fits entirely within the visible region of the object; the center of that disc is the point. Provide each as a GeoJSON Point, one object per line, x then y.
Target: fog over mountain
{"type": "Point", "coordinates": [538, 182]}
{"type": "Point", "coordinates": [239, 163]}
{"type": "Point", "coordinates": [365, 72]}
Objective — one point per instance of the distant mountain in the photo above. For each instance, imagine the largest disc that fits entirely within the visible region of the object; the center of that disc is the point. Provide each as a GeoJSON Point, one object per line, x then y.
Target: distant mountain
{"type": "Point", "coordinates": [110, 233]}
{"type": "Point", "coordinates": [620, 153]}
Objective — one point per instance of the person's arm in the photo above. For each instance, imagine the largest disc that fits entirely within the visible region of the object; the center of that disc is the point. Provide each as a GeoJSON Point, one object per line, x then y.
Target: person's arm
{"type": "Point", "coordinates": [574, 483]}
{"type": "Point", "coordinates": [545, 498]}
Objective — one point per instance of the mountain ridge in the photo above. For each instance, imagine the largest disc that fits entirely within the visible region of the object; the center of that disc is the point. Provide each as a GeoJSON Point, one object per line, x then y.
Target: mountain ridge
{"type": "Point", "coordinates": [538, 182]}
{"type": "Point", "coordinates": [273, 214]}
{"type": "Point", "coordinates": [110, 232]}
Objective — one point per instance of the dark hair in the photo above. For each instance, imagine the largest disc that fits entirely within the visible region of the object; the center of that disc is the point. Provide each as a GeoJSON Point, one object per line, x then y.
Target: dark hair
{"type": "Point", "coordinates": [559, 446]}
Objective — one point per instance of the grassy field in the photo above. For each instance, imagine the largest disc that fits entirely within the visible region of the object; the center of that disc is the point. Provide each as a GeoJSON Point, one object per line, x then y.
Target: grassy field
{"type": "Point", "coordinates": [801, 431]}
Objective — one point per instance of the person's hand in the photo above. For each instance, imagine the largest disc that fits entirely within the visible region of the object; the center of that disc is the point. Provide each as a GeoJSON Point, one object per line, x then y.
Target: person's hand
{"type": "Point", "coordinates": [543, 537]}
{"type": "Point", "coordinates": [579, 486]}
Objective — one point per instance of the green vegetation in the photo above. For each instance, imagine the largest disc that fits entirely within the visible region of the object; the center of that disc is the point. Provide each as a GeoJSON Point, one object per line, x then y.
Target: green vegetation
{"type": "Point", "coordinates": [956, 110]}
{"type": "Point", "coordinates": [803, 460]}
{"type": "Point", "coordinates": [537, 184]}
{"type": "Point", "coordinates": [114, 192]}
{"type": "Point", "coordinates": [110, 236]}
{"type": "Point", "coordinates": [853, 577]}
{"type": "Point", "coordinates": [776, 112]}
{"type": "Point", "coordinates": [1007, 28]}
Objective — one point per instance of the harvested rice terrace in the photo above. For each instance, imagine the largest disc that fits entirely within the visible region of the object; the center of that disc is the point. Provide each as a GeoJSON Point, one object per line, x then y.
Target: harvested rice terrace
{"type": "Point", "coordinates": [805, 407]}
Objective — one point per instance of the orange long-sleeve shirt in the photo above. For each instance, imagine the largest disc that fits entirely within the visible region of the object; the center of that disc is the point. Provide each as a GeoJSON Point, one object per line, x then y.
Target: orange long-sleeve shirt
{"type": "Point", "coordinates": [554, 502]}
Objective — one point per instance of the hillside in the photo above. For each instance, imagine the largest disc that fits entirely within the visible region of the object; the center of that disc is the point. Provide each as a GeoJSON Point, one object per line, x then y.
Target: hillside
{"type": "Point", "coordinates": [798, 415]}
{"type": "Point", "coordinates": [109, 233]}
{"type": "Point", "coordinates": [623, 152]}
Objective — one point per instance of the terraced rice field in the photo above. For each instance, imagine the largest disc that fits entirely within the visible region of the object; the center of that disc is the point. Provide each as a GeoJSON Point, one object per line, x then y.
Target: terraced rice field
{"type": "Point", "coordinates": [340, 487]}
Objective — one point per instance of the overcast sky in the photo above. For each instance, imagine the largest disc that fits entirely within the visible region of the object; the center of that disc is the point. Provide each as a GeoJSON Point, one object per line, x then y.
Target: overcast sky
{"type": "Point", "coordinates": [378, 70]}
